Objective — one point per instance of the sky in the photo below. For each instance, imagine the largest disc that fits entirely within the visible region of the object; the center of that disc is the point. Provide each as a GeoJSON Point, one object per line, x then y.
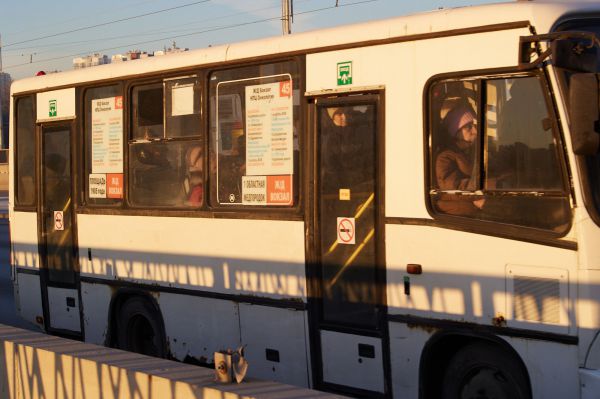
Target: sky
{"type": "Point", "coordinates": [46, 35]}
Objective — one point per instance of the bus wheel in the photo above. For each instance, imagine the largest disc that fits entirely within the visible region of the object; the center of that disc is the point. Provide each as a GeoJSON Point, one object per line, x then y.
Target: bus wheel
{"type": "Point", "coordinates": [482, 370]}
{"type": "Point", "coordinates": [140, 329]}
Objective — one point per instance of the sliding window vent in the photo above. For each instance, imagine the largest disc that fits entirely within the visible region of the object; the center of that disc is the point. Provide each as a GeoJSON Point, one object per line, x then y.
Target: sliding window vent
{"type": "Point", "coordinates": [536, 299]}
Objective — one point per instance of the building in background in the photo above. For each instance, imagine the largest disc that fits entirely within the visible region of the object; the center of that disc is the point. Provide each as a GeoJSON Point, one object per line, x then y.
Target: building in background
{"type": "Point", "coordinates": [171, 50]}
{"type": "Point", "coordinates": [90, 61]}
{"type": "Point", "coordinates": [131, 55]}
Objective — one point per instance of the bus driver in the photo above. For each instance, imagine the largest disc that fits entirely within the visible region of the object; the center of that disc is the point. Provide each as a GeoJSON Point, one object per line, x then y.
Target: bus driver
{"type": "Point", "coordinates": [455, 165]}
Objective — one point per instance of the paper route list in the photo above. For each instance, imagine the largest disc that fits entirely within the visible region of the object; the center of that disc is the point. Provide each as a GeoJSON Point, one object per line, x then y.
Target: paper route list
{"type": "Point", "coordinates": [107, 135]}
{"type": "Point", "coordinates": [269, 129]}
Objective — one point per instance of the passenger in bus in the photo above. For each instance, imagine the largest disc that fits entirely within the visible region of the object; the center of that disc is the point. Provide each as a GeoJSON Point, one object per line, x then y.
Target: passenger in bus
{"type": "Point", "coordinates": [58, 187]}
{"type": "Point", "coordinates": [346, 138]}
{"type": "Point", "coordinates": [455, 167]}
{"type": "Point", "coordinates": [194, 177]}
{"type": "Point", "coordinates": [152, 153]}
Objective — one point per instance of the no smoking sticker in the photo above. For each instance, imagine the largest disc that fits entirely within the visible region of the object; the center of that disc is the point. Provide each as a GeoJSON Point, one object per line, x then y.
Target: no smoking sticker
{"type": "Point", "coordinates": [59, 221]}
{"type": "Point", "coordinates": [345, 231]}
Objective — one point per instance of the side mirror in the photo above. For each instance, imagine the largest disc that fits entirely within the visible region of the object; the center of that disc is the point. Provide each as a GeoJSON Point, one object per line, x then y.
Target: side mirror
{"type": "Point", "coordinates": [574, 55]}
{"type": "Point", "coordinates": [584, 113]}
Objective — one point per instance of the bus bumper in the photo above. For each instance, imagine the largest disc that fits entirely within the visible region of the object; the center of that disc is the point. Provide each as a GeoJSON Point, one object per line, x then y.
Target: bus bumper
{"type": "Point", "coordinates": [590, 383]}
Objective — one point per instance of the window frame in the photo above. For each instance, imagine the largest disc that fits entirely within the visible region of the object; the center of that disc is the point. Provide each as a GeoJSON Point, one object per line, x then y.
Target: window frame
{"type": "Point", "coordinates": [201, 139]}
{"type": "Point", "coordinates": [18, 206]}
{"type": "Point", "coordinates": [293, 213]}
{"type": "Point", "coordinates": [84, 163]}
{"type": "Point", "coordinates": [495, 228]}
{"type": "Point", "coordinates": [297, 177]}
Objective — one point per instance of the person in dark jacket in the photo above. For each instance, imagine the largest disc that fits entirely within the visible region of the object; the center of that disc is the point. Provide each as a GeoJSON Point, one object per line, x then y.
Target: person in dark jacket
{"type": "Point", "coordinates": [455, 167]}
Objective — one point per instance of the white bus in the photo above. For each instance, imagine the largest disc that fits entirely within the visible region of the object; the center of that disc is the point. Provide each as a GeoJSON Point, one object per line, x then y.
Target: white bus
{"type": "Point", "coordinates": [402, 208]}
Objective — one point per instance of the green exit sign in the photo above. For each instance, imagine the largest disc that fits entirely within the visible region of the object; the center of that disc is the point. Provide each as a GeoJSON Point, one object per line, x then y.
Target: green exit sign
{"type": "Point", "coordinates": [52, 108]}
{"type": "Point", "coordinates": [344, 73]}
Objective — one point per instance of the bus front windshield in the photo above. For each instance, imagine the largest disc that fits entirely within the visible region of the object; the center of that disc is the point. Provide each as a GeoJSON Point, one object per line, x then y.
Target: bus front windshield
{"type": "Point", "coordinates": [591, 163]}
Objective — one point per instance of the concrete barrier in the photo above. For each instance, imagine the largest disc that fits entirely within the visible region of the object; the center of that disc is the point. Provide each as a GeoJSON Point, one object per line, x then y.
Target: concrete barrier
{"type": "Point", "coordinates": [41, 366]}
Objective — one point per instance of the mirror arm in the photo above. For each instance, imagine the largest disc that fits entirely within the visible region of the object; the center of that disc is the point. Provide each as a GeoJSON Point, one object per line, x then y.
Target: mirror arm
{"type": "Point", "coordinates": [529, 45]}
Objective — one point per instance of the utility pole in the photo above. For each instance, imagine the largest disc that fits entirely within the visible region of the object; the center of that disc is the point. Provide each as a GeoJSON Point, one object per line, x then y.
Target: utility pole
{"type": "Point", "coordinates": [2, 143]}
{"type": "Point", "coordinates": [286, 16]}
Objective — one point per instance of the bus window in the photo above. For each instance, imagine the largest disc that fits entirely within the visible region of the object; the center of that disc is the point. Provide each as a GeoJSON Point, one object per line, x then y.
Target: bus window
{"type": "Point", "coordinates": [182, 100]}
{"type": "Point", "coordinates": [148, 112]}
{"type": "Point", "coordinates": [497, 161]}
{"type": "Point", "coordinates": [254, 122]}
{"type": "Point", "coordinates": [104, 145]}
{"type": "Point", "coordinates": [520, 138]}
{"type": "Point", "coordinates": [166, 162]}
{"type": "Point", "coordinates": [25, 146]}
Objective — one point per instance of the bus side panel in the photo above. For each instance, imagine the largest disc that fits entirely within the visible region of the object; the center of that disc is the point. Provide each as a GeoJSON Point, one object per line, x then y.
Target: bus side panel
{"type": "Point", "coordinates": [24, 255]}
{"type": "Point", "coordinates": [467, 277]}
{"type": "Point", "coordinates": [28, 297]}
{"type": "Point", "coordinates": [275, 343]}
{"type": "Point", "coordinates": [406, 345]}
{"type": "Point", "coordinates": [471, 278]}
{"type": "Point", "coordinates": [552, 367]}
{"type": "Point", "coordinates": [95, 302]}
{"type": "Point", "coordinates": [235, 257]}
{"type": "Point", "coordinates": [197, 327]}
{"type": "Point", "coordinates": [24, 237]}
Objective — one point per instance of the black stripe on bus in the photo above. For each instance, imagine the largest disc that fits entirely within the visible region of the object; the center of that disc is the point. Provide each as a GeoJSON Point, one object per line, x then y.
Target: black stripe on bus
{"type": "Point", "coordinates": [294, 304]}
{"type": "Point", "coordinates": [429, 323]}
{"type": "Point", "coordinates": [23, 270]}
{"type": "Point", "coordinates": [481, 228]}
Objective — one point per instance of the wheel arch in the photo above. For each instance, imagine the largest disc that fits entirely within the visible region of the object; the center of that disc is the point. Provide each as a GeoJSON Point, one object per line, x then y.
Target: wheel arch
{"type": "Point", "coordinates": [442, 346]}
{"type": "Point", "coordinates": [119, 297]}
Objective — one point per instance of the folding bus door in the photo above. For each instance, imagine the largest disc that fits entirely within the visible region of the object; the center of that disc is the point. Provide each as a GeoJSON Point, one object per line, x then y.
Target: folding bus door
{"type": "Point", "coordinates": [59, 277]}
{"type": "Point", "coordinates": [348, 322]}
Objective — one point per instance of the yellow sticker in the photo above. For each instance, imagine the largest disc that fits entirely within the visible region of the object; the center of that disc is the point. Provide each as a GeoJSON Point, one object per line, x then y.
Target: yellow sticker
{"type": "Point", "coordinates": [344, 194]}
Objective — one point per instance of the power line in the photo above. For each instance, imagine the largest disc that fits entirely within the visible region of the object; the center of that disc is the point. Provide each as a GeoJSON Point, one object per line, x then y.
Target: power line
{"type": "Point", "coordinates": [190, 34]}
{"type": "Point", "coordinates": [146, 33]}
{"type": "Point", "coordinates": [107, 23]}
{"type": "Point", "coordinates": [93, 13]}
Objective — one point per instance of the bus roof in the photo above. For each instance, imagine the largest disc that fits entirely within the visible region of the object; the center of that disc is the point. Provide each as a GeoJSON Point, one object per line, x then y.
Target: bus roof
{"type": "Point", "coordinates": [540, 14]}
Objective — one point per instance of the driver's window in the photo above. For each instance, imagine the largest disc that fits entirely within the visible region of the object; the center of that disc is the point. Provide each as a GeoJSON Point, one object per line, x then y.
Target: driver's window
{"type": "Point", "coordinates": [494, 153]}
{"type": "Point", "coordinates": [521, 148]}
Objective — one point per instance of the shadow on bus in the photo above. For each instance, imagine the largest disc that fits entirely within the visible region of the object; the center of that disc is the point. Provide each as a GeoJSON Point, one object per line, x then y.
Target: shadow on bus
{"type": "Point", "coordinates": [502, 299]}
{"type": "Point", "coordinates": [219, 293]}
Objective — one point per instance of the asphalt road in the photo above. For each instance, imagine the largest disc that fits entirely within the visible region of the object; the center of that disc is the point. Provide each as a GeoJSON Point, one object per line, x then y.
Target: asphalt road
{"type": "Point", "coordinates": [8, 314]}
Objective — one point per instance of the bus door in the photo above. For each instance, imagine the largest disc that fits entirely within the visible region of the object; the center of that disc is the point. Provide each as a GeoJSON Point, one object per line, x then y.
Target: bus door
{"type": "Point", "coordinates": [348, 321]}
{"type": "Point", "coordinates": [59, 277]}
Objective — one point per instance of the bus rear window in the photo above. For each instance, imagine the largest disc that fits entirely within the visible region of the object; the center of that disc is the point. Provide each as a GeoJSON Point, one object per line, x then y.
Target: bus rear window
{"type": "Point", "coordinates": [25, 151]}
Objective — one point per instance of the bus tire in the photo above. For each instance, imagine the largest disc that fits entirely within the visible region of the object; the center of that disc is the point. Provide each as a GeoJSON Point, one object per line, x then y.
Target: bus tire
{"type": "Point", "coordinates": [140, 328]}
{"type": "Point", "coordinates": [483, 370]}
